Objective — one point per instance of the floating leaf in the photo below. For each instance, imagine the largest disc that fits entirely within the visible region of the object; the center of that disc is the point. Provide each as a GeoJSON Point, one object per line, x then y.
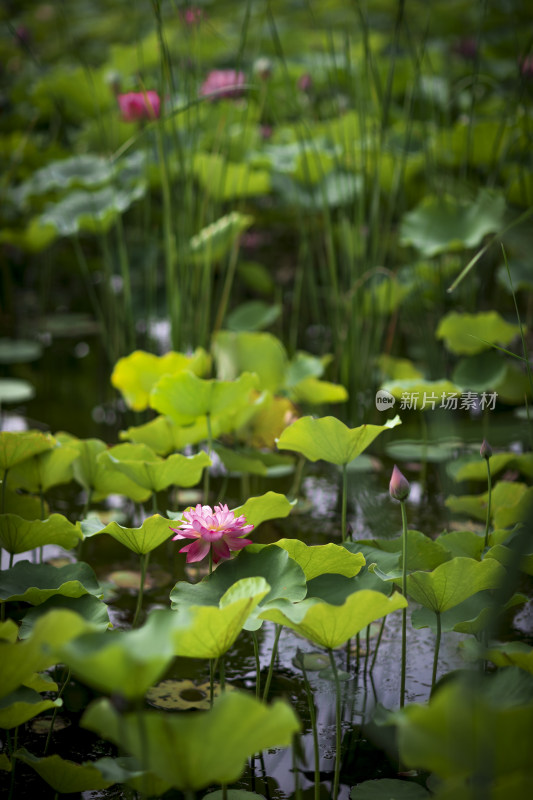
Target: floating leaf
{"type": "Point", "coordinates": [452, 582]}
{"type": "Point", "coordinates": [35, 583]}
{"type": "Point", "coordinates": [332, 625]}
{"type": "Point", "coordinates": [212, 748]}
{"type": "Point", "coordinates": [445, 224]}
{"type": "Point", "coordinates": [480, 373]}
{"type": "Point", "coordinates": [476, 470]}
{"type": "Point", "coordinates": [416, 450]}
{"type": "Point", "coordinates": [325, 558]}
{"type": "Point", "coordinates": [91, 212]}
{"type": "Point", "coordinates": [18, 535]}
{"type": "Point", "coordinates": [183, 695]}
{"type": "Point", "coordinates": [329, 439]}
{"type": "Point", "coordinates": [473, 333]}
{"type": "Point", "coordinates": [136, 375]}
{"type": "Point", "coordinates": [65, 777]}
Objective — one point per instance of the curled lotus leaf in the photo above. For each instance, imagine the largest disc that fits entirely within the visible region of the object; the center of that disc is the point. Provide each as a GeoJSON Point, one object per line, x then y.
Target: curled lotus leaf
{"type": "Point", "coordinates": [18, 446]}
{"type": "Point", "coordinates": [153, 531]}
{"type": "Point", "coordinates": [22, 705]}
{"type": "Point", "coordinates": [317, 560]}
{"type": "Point", "coordinates": [35, 583]}
{"type": "Point", "coordinates": [185, 397]}
{"type": "Point", "coordinates": [18, 535]}
{"type": "Point", "coordinates": [154, 473]}
{"type": "Point", "coordinates": [453, 581]}
{"type": "Point", "coordinates": [63, 775]}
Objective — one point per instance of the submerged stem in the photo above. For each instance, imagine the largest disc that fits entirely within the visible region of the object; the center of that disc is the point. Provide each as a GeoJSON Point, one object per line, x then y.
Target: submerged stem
{"type": "Point", "coordinates": [338, 740]}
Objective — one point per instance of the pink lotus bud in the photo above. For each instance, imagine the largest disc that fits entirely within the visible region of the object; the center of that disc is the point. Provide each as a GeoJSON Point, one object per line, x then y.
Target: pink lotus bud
{"type": "Point", "coordinates": [135, 106]}
{"type": "Point", "coordinates": [485, 450]}
{"type": "Point", "coordinates": [399, 485]}
{"type": "Point", "coordinates": [223, 83]}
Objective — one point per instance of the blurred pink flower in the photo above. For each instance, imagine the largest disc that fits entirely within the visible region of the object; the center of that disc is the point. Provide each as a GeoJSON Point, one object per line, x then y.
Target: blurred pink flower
{"type": "Point", "coordinates": [136, 106]}
{"type": "Point", "coordinates": [305, 82]}
{"type": "Point", "coordinates": [526, 67]}
{"type": "Point", "coordinates": [225, 82]}
{"type": "Point", "coordinates": [192, 15]}
{"type": "Point", "coordinates": [216, 529]}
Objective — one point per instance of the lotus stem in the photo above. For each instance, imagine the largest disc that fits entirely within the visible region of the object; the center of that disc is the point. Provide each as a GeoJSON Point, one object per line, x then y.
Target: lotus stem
{"type": "Point", "coordinates": [257, 665]}
{"type": "Point", "coordinates": [312, 717]}
{"type": "Point", "coordinates": [209, 449]}
{"type": "Point", "coordinates": [367, 649]}
{"type": "Point", "coordinates": [380, 634]}
{"type": "Point", "coordinates": [144, 565]}
{"type": "Point", "coordinates": [4, 481]}
{"type": "Point", "coordinates": [338, 741]}
{"type": "Point", "coordinates": [65, 678]}
{"type": "Point", "coordinates": [404, 610]}
{"type": "Point", "coordinates": [344, 501]}
{"type": "Point", "coordinates": [222, 674]}
{"type": "Point", "coordinates": [272, 659]}
{"type": "Point", "coordinates": [437, 648]}
{"type": "Point", "coordinates": [297, 788]}
{"type": "Point", "coordinates": [489, 483]}
{"type": "Point", "coordinates": [13, 764]}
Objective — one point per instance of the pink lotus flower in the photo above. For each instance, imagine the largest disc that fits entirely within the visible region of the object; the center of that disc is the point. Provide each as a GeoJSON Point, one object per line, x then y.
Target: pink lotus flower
{"type": "Point", "coordinates": [225, 82]}
{"type": "Point", "coordinates": [192, 16]}
{"type": "Point", "coordinates": [217, 530]}
{"type": "Point", "coordinates": [136, 106]}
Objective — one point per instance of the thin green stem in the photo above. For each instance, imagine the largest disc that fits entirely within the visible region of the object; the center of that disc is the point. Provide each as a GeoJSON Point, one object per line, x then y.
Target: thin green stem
{"type": "Point", "coordinates": [338, 740]}
{"type": "Point", "coordinates": [257, 665]}
{"type": "Point", "coordinates": [172, 284]}
{"type": "Point", "coordinates": [212, 668]}
{"type": "Point", "coordinates": [314, 730]}
{"type": "Point", "coordinates": [404, 610]}
{"type": "Point", "coordinates": [489, 483]}
{"type": "Point", "coordinates": [64, 684]}
{"type": "Point", "coordinates": [437, 648]}
{"type": "Point", "coordinates": [344, 501]}
{"type": "Point", "coordinates": [272, 660]}
{"type": "Point", "coordinates": [4, 481]}
{"type": "Point", "coordinates": [144, 565]}
{"type": "Point", "coordinates": [207, 474]}
{"type": "Point", "coordinates": [222, 674]}
{"type": "Point", "coordinates": [228, 283]}
{"type": "Point", "coordinates": [380, 634]}
{"type": "Point", "coordinates": [13, 765]}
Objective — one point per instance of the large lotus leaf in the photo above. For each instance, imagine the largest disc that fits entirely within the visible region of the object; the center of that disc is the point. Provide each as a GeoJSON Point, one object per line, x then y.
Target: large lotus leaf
{"type": "Point", "coordinates": [18, 446]}
{"type": "Point", "coordinates": [19, 661]}
{"type": "Point", "coordinates": [91, 212]}
{"type": "Point", "coordinates": [422, 552]}
{"type": "Point", "coordinates": [153, 531]}
{"type": "Point", "coordinates": [237, 462]}
{"type": "Point", "coordinates": [514, 388]}
{"type": "Point", "coordinates": [445, 224]}
{"type": "Point", "coordinates": [136, 375]}
{"type": "Point", "coordinates": [336, 189]}
{"type": "Point", "coordinates": [329, 439]}
{"type": "Point", "coordinates": [452, 582]}
{"type": "Point", "coordinates": [164, 436]}
{"type": "Point", "coordinates": [471, 616]}
{"type": "Point", "coordinates": [420, 450]}
{"type": "Point", "coordinates": [225, 180]}
{"type": "Point", "coordinates": [185, 397]}
{"type": "Point", "coordinates": [470, 727]}
{"type": "Point", "coordinates": [481, 372]}
{"type": "Point", "coordinates": [315, 392]}
{"type": "Point", "coordinates": [332, 625]}
{"type": "Point", "coordinates": [509, 654]}
{"type": "Point", "coordinates": [476, 470]}
{"type": "Point", "coordinates": [389, 789]}
{"type": "Point", "coordinates": [254, 315]}
{"type": "Point", "coordinates": [397, 368]}
{"type": "Point", "coordinates": [90, 608]}
{"type": "Point", "coordinates": [21, 705]}
{"type": "Point", "coordinates": [213, 746]}
{"type": "Point", "coordinates": [127, 662]}
{"type": "Point", "coordinates": [258, 352]}
{"type": "Point", "coordinates": [504, 555]}
{"type": "Point", "coordinates": [65, 777]}
{"type": "Point", "coordinates": [209, 631]}
{"type": "Point", "coordinates": [18, 535]}
{"type": "Point", "coordinates": [95, 475]}
{"type": "Point", "coordinates": [215, 242]}
{"type": "Point", "coordinates": [284, 576]}
{"type": "Point", "coordinates": [35, 583]}
{"type": "Point", "coordinates": [467, 334]}
{"type": "Point", "coordinates": [324, 558]}
{"type": "Point", "coordinates": [156, 474]}
{"type": "Point", "coordinates": [40, 472]}
{"type": "Point", "coordinates": [85, 170]}
{"type": "Point", "coordinates": [509, 503]}
{"type": "Point", "coordinates": [270, 505]}
{"type": "Point", "coordinates": [461, 543]}
{"type": "Point", "coordinates": [269, 419]}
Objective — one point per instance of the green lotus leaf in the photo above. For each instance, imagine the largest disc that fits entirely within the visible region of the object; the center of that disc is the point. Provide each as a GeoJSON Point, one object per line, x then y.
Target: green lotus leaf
{"type": "Point", "coordinates": [127, 770]}
{"type": "Point", "coordinates": [416, 450]}
{"type": "Point", "coordinates": [237, 462]}
{"type": "Point", "coordinates": [215, 242]}
{"type": "Point", "coordinates": [284, 576]}
{"type": "Point", "coordinates": [44, 470]}
{"type": "Point", "coordinates": [509, 504]}
{"type": "Point", "coordinates": [427, 395]}
{"type": "Point", "coordinates": [17, 447]}
{"type": "Point", "coordinates": [41, 682]}
{"type": "Point", "coordinates": [452, 582]}
{"type": "Point", "coordinates": [21, 705]}
{"type": "Point", "coordinates": [329, 439]}
{"type": "Point", "coordinates": [95, 475]}
{"type": "Point", "coordinates": [472, 333]}
{"type": "Point", "coordinates": [332, 625]}
{"type": "Point", "coordinates": [85, 170]}
{"type": "Point", "coordinates": [389, 789]}
{"type": "Point", "coordinates": [315, 392]}
{"type": "Point", "coordinates": [504, 555]}
{"type": "Point", "coordinates": [209, 631]}
{"type": "Point", "coordinates": [461, 543]}
{"type": "Point", "coordinates": [151, 534]}
{"type": "Point", "coordinates": [24, 505]}
{"type": "Point", "coordinates": [510, 654]}
{"type": "Point", "coordinates": [325, 558]}
{"type": "Point", "coordinates": [476, 470]}
{"type": "Point", "coordinates": [225, 180]}
{"type": "Point", "coordinates": [153, 473]}
{"type": "Point", "coordinates": [254, 315]}
{"type": "Point", "coordinates": [445, 224]}
{"type": "Point", "coordinates": [90, 608]}
{"type": "Point", "coordinates": [336, 189]}
{"type": "Point", "coordinates": [212, 748]}
{"type": "Point", "coordinates": [270, 505]}
{"type": "Point", "coordinates": [14, 390]}
{"type": "Point", "coordinates": [8, 631]}
{"type": "Point", "coordinates": [259, 352]}
{"type": "Point", "coordinates": [164, 436]}
{"type": "Point", "coordinates": [467, 721]}
{"type": "Point", "coordinates": [127, 662]}
{"type": "Point", "coordinates": [92, 212]}
{"type": "Point", "coordinates": [35, 583]}
{"type": "Point", "coordinates": [5, 763]}
{"type": "Point", "coordinates": [481, 372]}
{"type": "Point", "coordinates": [471, 616]}
{"type": "Point", "coordinates": [18, 535]}
{"type": "Point", "coordinates": [64, 776]}
{"type": "Point", "coordinates": [397, 369]}
{"type": "Point", "coordinates": [422, 552]}
{"type": "Point", "coordinates": [136, 375]}
{"type": "Point", "coordinates": [185, 397]}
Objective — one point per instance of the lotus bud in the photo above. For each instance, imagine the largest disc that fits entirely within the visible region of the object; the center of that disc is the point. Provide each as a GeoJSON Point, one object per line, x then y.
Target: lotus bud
{"type": "Point", "coordinates": [399, 485]}
{"type": "Point", "coordinates": [485, 450]}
